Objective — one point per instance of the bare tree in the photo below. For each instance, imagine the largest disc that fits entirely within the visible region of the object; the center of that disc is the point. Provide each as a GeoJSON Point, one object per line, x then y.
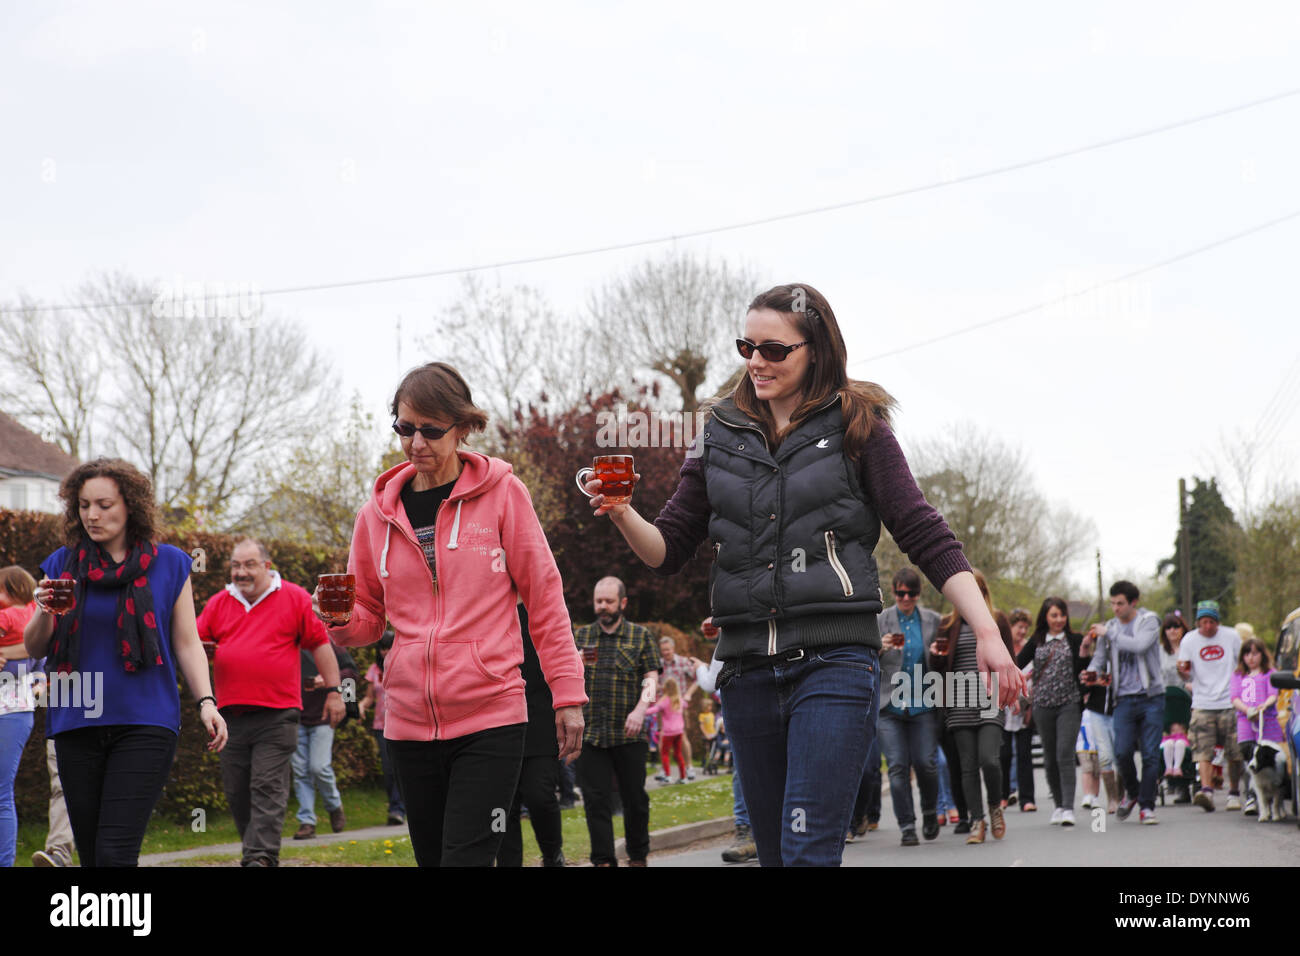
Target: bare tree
{"type": "Point", "coordinates": [321, 484]}
{"type": "Point", "coordinates": [47, 380]}
{"type": "Point", "coordinates": [677, 316]}
{"type": "Point", "coordinates": [514, 350]}
{"type": "Point", "coordinates": [1008, 529]}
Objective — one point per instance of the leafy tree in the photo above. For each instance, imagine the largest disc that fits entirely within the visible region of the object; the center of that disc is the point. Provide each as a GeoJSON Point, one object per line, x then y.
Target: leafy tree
{"type": "Point", "coordinates": [1211, 530]}
{"type": "Point", "coordinates": [1266, 553]}
{"type": "Point", "coordinates": [549, 449]}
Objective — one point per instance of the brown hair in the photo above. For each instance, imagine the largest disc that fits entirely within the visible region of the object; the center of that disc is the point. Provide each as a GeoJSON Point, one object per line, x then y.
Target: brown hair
{"type": "Point", "coordinates": [862, 403]}
{"type": "Point", "coordinates": [438, 391]}
{"type": "Point", "coordinates": [133, 485]}
{"type": "Point", "coordinates": [1265, 662]}
{"type": "Point", "coordinates": [1020, 616]}
{"type": "Point", "coordinates": [18, 584]}
{"type": "Point", "coordinates": [1172, 619]}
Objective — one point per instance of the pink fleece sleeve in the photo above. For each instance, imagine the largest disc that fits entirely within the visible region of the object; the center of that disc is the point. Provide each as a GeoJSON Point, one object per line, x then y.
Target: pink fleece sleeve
{"type": "Point", "coordinates": [532, 568]}
{"type": "Point", "coordinates": [368, 616]}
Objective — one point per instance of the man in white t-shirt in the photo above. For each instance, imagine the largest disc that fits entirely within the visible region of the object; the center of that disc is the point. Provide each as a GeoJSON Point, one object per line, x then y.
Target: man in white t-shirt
{"type": "Point", "coordinates": [1208, 656]}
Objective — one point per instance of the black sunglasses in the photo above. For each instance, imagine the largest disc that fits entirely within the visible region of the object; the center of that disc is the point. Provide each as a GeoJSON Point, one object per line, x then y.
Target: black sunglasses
{"type": "Point", "coordinates": [772, 351]}
{"type": "Point", "coordinates": [406, 430]}
{"type": "Point", "coordinates": [902, 593]}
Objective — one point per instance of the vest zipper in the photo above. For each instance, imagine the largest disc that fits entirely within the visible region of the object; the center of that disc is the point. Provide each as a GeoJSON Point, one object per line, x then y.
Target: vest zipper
{"type": "Point", "coordinates": [771, 638]}
{"type": "Point", "coordinates": [717, 553]}
{"type": "Point", "coordinates": [838, 568]}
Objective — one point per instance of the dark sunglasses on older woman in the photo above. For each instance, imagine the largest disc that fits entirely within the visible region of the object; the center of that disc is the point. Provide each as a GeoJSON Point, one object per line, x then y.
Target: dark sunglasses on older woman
{"type": "Point", "coordinates": [406, 430]}
{"type": "Point", "coordinates": [772, 351]}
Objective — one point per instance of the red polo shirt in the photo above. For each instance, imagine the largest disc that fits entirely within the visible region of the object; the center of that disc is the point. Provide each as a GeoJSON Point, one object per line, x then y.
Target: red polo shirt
{"type": "Point", "coordinates": [256, 662]}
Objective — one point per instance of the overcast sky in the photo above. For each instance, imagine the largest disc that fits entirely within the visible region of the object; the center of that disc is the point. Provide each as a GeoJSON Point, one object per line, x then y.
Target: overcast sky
{"type": "Point", "coordinates": [317, 142]}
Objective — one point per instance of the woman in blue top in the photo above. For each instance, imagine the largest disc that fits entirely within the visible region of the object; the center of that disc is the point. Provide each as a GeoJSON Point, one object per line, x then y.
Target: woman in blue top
{"type": "Point", "coordinates": [114, 709]}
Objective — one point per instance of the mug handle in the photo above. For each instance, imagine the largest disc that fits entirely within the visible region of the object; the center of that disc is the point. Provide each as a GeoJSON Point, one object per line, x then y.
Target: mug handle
{"type": "Point", "coordinates": [581, 482]}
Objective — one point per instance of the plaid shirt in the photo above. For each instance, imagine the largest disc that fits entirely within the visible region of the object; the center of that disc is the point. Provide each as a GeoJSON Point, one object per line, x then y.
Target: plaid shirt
{"type": "Point", "coordinates": [613, 679]}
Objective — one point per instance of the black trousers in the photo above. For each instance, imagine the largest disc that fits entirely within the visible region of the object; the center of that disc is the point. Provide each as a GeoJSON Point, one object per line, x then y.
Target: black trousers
{"type": "Point", "coordinates": [537, 783]}
{"type": "Point", "coordinates": [951, 754]}
{"type": "Point", "coordinates": [627, 763]}
{"type": "Point", "coordinates": [458, 793]}
{"type": "Point", "coordinates": [112, 778]}
{"type": "Point", "coordinates": [979, 748]}
{"type": "Point", "coordinates": [256, 776]}
{"type": "Point", "coordinates": [1024, 744]}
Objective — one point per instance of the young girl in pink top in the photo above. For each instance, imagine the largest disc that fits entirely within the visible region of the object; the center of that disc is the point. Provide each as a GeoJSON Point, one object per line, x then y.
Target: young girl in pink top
{"type": "Point", "coordinates": [669, 708]}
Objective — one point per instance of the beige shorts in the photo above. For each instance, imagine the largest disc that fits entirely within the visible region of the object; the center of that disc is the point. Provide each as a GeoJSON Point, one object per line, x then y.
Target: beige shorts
{"type": "Point", "coordinates": [1214, 728]}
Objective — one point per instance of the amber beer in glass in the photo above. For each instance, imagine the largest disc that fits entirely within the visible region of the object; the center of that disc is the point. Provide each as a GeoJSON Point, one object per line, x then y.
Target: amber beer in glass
{"type": "Point", "coordinates": [617, 476]}
{"type": "Point", "coordinates": [62, 595]}
{"type": "Point", "coordinates": [941, 645]}
{"type": "Point", "coordinates": [337, 595]}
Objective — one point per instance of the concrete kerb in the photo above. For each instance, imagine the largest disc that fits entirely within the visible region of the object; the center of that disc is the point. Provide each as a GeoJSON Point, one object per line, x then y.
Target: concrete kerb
{"type": "Point", "coordinates": [670, 839]}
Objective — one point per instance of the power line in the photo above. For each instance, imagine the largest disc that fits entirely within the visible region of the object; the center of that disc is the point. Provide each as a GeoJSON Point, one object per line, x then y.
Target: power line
{"type": "Point", "coordinates": [715, 230]}
{"type": "Point", "coordinates": [1007, 316]}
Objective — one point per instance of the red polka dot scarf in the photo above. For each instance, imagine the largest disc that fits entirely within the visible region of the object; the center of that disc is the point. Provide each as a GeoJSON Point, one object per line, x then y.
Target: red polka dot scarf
{"type": "Point", "coordinates": [137, 628]}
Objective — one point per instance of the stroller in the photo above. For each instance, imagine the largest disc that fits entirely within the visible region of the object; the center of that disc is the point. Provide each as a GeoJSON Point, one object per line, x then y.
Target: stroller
{"type": "Point", "coordinates": [1287, 680]}
{"type": "Point", "coordinates": [1178, 710]}
{"type": "Point", "coordinates": [719, 753]}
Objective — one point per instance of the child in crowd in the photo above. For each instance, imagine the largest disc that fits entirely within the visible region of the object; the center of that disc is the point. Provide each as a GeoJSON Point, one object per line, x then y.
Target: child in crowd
{"type": "Point", "coordinates": [669, 709]}
{"type": "Point", "coordinates": [1252, 696]}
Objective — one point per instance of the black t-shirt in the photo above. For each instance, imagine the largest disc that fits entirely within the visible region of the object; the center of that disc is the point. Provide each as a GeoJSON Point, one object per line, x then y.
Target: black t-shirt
{"type": "Point", "coordinates": [422, 511]}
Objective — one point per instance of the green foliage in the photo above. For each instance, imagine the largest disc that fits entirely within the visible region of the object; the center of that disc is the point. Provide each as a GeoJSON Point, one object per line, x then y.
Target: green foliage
{"type": "Point", "coordinates": [1211, 529]}
{"type": "Point", "coordinates": [1266, 551]}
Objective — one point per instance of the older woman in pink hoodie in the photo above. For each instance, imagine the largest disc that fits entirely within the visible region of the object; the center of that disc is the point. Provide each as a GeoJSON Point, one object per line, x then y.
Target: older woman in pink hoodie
{"type": "Point", "coordinates": [441, 549]}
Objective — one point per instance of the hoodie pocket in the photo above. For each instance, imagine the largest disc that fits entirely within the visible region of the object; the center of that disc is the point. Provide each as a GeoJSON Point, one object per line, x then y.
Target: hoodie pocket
{"type": "Point", "coordinates": [404, 697]}
{"type": "Point", "coordinates": [463, 683]}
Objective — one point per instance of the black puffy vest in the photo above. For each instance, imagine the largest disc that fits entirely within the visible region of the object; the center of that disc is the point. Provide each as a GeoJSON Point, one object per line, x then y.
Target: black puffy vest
{"type": "Point", "coordinates": [794, 532]}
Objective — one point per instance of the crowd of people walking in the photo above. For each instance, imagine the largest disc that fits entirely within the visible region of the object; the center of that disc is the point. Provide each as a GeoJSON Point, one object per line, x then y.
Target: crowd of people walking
{"type": "Point", "coordinates": [484, 691]}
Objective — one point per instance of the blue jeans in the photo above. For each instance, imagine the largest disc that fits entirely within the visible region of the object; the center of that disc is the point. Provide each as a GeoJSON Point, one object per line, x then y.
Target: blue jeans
{"type": "Point", "coordinates": [313, 771]}
{"type": "Point", "coordinates": [738, 809]}
{"type": "Point", "coordinates": [909, 744]}
{"type": "Point", "coordinates": [1139, 719]}
{"type": "Point", "coordinates": [801, 728]}
{"type": "Point", "coordinates": [14, 731]}
{"type": "Point", "coordinates": [869, 793]}
{"type": "Point", "coordinates": [945, 800]}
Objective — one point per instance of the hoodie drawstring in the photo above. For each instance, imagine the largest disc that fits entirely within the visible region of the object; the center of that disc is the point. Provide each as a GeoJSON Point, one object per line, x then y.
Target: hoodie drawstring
{"type": "Point", "coordinates": [452, 544]}
{"type": "Point", "coordinates": [383, 558]}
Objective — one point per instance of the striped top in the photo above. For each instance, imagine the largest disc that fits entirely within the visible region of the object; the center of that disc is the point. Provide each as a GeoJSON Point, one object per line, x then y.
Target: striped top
{"type": "Point", "coordinates": [962, 694]}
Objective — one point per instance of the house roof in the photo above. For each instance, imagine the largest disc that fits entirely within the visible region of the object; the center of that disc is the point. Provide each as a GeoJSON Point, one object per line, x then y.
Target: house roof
{"type": "Point", "coordinates": [24, 451]}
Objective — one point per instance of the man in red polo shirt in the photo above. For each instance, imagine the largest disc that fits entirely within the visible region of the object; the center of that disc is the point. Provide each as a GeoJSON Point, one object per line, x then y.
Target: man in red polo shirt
{"type": "Point", "coordinates": [258, 624]}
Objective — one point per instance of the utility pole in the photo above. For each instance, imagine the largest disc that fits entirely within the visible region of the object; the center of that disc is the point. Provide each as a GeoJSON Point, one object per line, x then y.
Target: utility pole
{"type": "Point", "coordinates": [1184, 546]}
{"type": "Point", "coordinates": [1101, 600]}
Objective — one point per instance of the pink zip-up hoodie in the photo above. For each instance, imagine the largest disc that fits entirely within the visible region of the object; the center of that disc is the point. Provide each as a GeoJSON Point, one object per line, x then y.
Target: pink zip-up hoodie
{"type": "Point", "coordinates": [454, 666]}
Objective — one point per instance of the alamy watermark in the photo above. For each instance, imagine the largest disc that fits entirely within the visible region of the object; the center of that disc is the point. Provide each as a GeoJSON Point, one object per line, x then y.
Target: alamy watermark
{"type": "Point", "coordinates": [951, 689]}
{"type": "Point", "coordinates": [236, 301]}
{"type": "Point", "coordinates": [622, 428]}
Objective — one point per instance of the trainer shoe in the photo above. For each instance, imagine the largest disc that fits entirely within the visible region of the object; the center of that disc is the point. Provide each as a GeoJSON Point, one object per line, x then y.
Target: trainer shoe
{"type": "Point", "coordinates": [742, 848]}
{"type": "Point", "coordinates": [1234, 802]}
{"type": "Point", "coordinates": [1086, 802]}
{"type": "Point", "coordinates": [41, 858]}
{"type": "Point", "coordinates": [909, 838]}
{"type": "Point", "coordinates": [1252, 807]}
{"type": "Point", "coordinates": [1204, 799]}
{"type": "Point", "coordinates": [1057, 816]}
{"type": "Point", "coordinates": [1067, 818]}
{"type": "Point", "coordinates": [857, 829]}
{"type": "Point", "coordinates": [1125, 808]}
{"type": "Point", "coordinates": [1148, 817]}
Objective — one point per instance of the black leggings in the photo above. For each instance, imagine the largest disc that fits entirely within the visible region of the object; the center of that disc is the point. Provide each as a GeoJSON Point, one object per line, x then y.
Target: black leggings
{"type": "Point", "coordinates": [978, 747]}
{"type": "Point", "coordinates": [538, 780]}
{"type": "Point", "coordinates": [112, 778]}
{"type": "Point", "coordinates": [458, 793]}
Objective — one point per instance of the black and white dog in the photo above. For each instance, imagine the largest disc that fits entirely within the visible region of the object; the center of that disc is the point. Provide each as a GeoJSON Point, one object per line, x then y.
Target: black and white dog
{"type": "Point", "coordinates": [1268, 779]}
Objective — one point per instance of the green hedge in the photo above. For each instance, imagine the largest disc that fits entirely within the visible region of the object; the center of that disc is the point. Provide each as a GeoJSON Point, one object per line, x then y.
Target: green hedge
{"type": "Point", "coordinates": [27, 538]}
